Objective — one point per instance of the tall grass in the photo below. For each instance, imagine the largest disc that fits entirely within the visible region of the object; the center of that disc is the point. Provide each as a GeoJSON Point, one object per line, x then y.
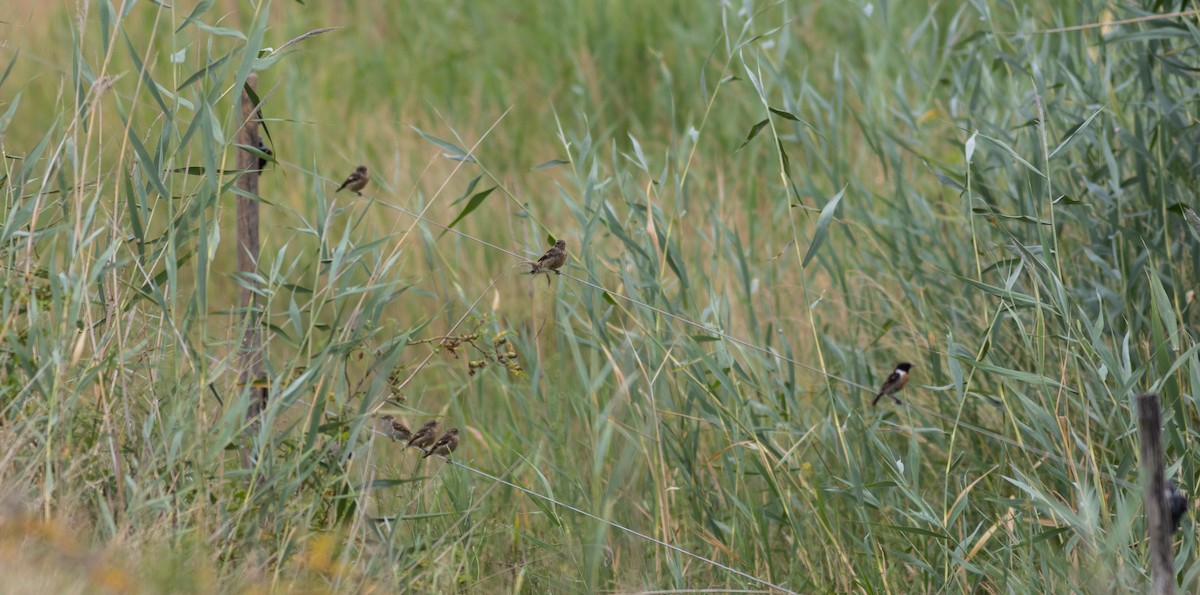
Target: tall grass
{"type": "Point", "coordinates": [767, 205]}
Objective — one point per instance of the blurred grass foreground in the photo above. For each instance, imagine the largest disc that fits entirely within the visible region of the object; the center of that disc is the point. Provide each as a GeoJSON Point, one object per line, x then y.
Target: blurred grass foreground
{"type": "Point", "coordinates": [766, 205]}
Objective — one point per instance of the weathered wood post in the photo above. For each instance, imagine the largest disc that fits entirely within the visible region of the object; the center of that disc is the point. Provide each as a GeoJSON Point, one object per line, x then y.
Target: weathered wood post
{"type": "Point", "coordinates": [250, 358]}
{"type": "Point", "coordinates": [1158, 518]}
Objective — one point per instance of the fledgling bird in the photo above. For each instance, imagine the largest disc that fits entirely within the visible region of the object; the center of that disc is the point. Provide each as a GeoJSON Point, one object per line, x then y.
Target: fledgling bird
{"type": "Point", "coordinates": [552, 260]}
{"type": "Point", "coordinates": [356, 181]}
{"type": "Point", "coordinates": [445, 445]}
{"type": "Point", "coordinates": [895, 381]}
{"type": "Point", "coordinates": [400, 432]}
{"type": "Point", "coordinates": [385, 426]}
{"type": "Point", "coordinates": [1176, 503]}
{"type": "Point", "coordinates": [395, 429]}
{"type": "Point", "coordinates": [425, 435]}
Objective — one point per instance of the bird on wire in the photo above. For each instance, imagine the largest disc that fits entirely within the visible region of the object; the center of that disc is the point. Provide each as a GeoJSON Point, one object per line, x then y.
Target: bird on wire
{"type": "Point", "coordinates": [551, 261]}
{"type": "Point", "coordinates": [425, 435]}
{"type": "Point", "coordinates": [445, 445]}
{"type": "Point", "coordinates": [356, 181]}
{"type": "Point", "coordinates": [893, 384]}
{"type": "Point", "coordinates": [394, 428]}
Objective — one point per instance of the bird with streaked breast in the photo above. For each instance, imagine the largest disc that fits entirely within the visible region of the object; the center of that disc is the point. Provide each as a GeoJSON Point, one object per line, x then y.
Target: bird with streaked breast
{"type": "Point", "coordinates": [394, 428]}
{"type": "Point", "coordinates": [425, 435]}
{"type": "Point", "coordinates": [552, 260]}
{"type": "Point", "coordinates": [445, 445]}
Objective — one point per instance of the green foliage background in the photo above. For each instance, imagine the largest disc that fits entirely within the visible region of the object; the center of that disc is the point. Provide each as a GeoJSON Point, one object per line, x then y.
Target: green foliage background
{"type": "Point", "coordinates": [767, 206]}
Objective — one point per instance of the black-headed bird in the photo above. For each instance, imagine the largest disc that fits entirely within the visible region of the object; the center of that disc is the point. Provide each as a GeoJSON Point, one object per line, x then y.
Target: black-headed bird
{"type": "Point", "coordinates": [265, 150]}
{"type": "Point", "coordinates": [1177, 504]}
{"type": "Point", "coordinates": [895, 381]}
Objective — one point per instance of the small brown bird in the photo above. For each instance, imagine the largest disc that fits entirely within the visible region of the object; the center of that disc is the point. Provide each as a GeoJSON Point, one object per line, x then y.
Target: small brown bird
{"type": "Point", "coordinates": [425, 435]}
{"type": "Point", "coordinates": [394, 428]}
{"type": "Point", "coordinates": [386, 424]}
{"type": "Point", "coordinates": [893, 384]}
{"type": "Point", "coordinates": [552, 260]}
{"type": "Point", "coordinates": [400, 432]}
{"type": "Point", "coordinates": [356, 181]}
{"type": "Point", "coordinates": [445, 445]}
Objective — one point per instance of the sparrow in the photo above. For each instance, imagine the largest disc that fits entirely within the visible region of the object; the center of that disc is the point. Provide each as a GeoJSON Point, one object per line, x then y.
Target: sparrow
{"type": "Point", "coordinates": [385, 426]}
{"type": "Point", "coordinates": [1176, 503]}
{"type": "Point", "coordinates": [552, 260]}
{"type": "Point", "coordinates": [425, 435]}
{"type": "Point", "coordinates": [394, 428]}
{"type": "Point", "coordinates": [400, 432]}
{"type": "Point", "coordinates": [445, 445]}
{"type": "Point", "coordinates": [894, 382]}
{"type": "Point", "coordinates": [356, 181]}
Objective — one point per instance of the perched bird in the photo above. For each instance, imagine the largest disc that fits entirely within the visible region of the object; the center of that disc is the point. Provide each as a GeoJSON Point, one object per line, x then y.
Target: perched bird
{"type": "Point", "coordinates": [400, 432]}
{"type": "Point", "coordinates": [263, 148]}
{"type": "Point", "coordinates": [395, 429]}
{"type": "Point", "coordinates": [894, 382]}
{"type": "Point", "coordinates": [1176, 503]}
{"type": "Point", "coordinates": [445, 445]}
{"type": "Point", "coordinates": [385, 426]}
{"type": "Point", "coordinates": [552, 260]}
{"type": "Point", "coordinates": [356, 181]}
{"type": "Point", "coordinates": [425, 435]}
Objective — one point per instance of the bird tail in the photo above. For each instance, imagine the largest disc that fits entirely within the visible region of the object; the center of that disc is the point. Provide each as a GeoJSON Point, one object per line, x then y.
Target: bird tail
{"type": "Point", "coordinates": [427, 453]}
{"type": "Point", "coordinates": [877, 397]}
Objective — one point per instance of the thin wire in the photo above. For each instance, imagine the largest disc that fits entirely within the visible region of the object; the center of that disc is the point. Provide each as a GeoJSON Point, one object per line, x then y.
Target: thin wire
{"type": "Point", "coordinates": [601, 519]}
{"type": "Point", "coordinates": [1141, 19]}
{"type": "Point", "coordinates": [726, 336]}
{"type": "Point", "coordinates": [621, 527]}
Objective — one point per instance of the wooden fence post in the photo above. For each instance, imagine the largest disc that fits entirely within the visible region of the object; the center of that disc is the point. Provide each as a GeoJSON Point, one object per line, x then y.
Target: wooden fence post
{"type": "Point", "coordinates": [250, 357]}
{"type": "Point", "coordinates": [1158, 518]}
